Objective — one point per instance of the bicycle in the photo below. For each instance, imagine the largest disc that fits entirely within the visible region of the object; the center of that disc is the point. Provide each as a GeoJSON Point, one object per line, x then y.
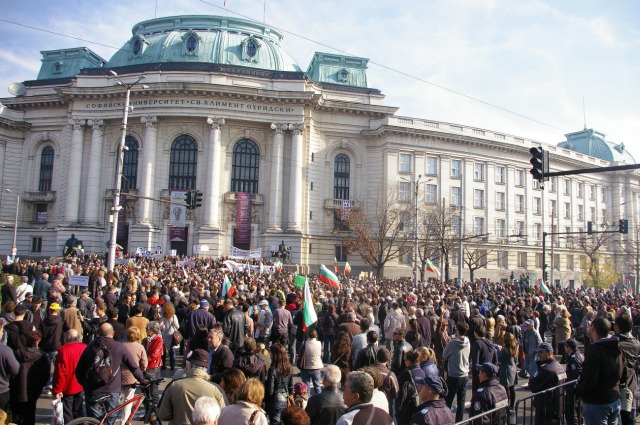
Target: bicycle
{"type": "Point", "coordinates": [150, 416]}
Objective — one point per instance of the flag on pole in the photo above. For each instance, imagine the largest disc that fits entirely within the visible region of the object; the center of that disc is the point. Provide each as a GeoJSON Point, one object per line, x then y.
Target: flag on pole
{"type": "Point", "coordinates": [227, 287]}
{"type": "Point", "coordinates": [543, 287]}
{"type": "Point", "coordinates": [278, 266]}
{"type": "Point", "coordinates": [308, 311]}
{"type": "Point", "coordinates": [327, 277]}
{"type": "Point", "coordinates": [347, 268]}
{"type": "Point", "coordinates": [299, 281]}
{"type": "Point", "coordinates": [431, 268]}
{"type": "Point", "coordinates": [335, 265]}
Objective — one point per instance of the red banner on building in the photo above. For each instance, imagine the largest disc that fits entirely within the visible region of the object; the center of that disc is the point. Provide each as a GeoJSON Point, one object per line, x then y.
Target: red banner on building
{"type": "Point", "coordinates": [243, 219]}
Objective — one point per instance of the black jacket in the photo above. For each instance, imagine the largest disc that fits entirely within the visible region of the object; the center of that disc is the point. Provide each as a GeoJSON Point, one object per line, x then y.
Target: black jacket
{"type": "Point", "coordinates": [630, 348]}
{"type": "Point", "coordinates": [235, 328]}
{"type": "Point", "coordinates": [424, 328]}
{"type": "Point", "coordinates": [399, 352]}
{"type": "Point", "coordinates": [482, 351]}
{"type": "Point", "coordinates": [408, 398]}
{"type": "Point", "coordinates": [574, 366]}
{"type": "Point", "coordinates": [433, 412]}
{"type": "Point", "coordinates": [602, 371]}
{"type": "Point", "coordinates": [17, 333]}
{"type": "Point", "coordinates": [221, 360]}
{"type": "Point", "coordinates": [278, 387]}
{"type": "Point", "coordinates": [9, 293]}
{"type": "Point", "coordinates": [550, 374]}
{"type": "Point", "coordinates": [250, 364]}
{"type": "Point", "coordinates": [52, 328]}
{"type": "Point", "coordinates": [366, 357]}
{"type": "Point", "coordinates": [490, 395]}
{"type": "Point", "coordinates": [327, 407]}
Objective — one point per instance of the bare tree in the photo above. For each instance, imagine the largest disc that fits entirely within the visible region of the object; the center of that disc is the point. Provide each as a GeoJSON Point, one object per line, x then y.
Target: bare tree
{"type": "Point", "coordinates": [475, 256]}
{"type": "Point", "coordinates": [436, 235]}
{"type": "Point", "coordinates": [598, 272]}
{"type": "Point", "coordinates": [380, 234]}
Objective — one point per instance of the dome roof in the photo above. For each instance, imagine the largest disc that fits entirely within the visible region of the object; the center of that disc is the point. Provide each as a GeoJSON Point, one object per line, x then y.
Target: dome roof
{"type": "Point", "coordinates": [593, 143]}
{"type": "Point", "coordinates": [205, 39]}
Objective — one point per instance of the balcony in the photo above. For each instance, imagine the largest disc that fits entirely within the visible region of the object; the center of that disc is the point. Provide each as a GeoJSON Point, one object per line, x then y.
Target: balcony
{"type": "Point", "coordinates": [336, 204]}
{"type": "Point", "coordinates": [232, 197]}
{"type": "Point", "coordinates": [39, 197]}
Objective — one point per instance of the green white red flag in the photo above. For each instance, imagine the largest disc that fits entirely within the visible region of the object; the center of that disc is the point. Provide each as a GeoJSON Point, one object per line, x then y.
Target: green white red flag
{"type": "Point", "coordinates": [308, 312]}
{"type": "Point", "coordinates": [431, 268]}
{"type": "Point", "coordinates": [347, 268]}
{"type": "Point", "coordinates": [227, 287]}
{"type": "Point", "coordinates": [327, 277]}
{"type": "Point", "coordinates": [336, 269]}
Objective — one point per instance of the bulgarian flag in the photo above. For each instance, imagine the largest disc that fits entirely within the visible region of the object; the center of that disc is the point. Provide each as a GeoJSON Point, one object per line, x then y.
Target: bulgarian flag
{"type": "Point", "coordinates": [278, 266]}
{"type": "Point", "coordinates": [543, 288]}
{"type": "Point", "coordinates": [335, 265]}
{"type": "Point", "coordinates": [308, 312]}
{"type": "Point", "coordinates": [431, 268]}
{"type": "Point", "coordinates": [227, 287]}
{"type": "Point", "coordinates": [347, 268]}
{"type": "Point", "coordinates": [325, 276]}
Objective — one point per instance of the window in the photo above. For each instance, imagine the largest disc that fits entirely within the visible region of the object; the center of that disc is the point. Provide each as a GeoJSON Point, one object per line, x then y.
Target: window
{"type": "Point", "coordinates": [539, 261]}
{"type": "Point", "coordinates": [341, 174]}
{"type": "Point", "coordinates": [432, 165]}
{"type": "Point", "coordinates": [567, 187]}
{"type": "Point", "coordinates": [503, 256]}
{"type": "Point", "coordinates": [519, 181]}
{"type": "Point", "coordinates": [405, 163]}
{"type": "Point", "coordinates": [481, 258]}
{"type": "Point", "coordinates": [339, 223]}
{"type": "Point", "coordinates": [536, 184]}
{"type": "Point", "coordinates": [455, 227]}
{"type": "Point", "coordinates": [432, 194]}
{"type": "Point", "coordinates": [478, 198]}
{"type": "Point", "coordinates": [478, 172]}
{"type": "Point", "coordinates": [520, 229]}
{"type": "Point", "coordinates": [592, 214]}
{"type": "Point", "coordinates": [567, 210]}
{"type": "Point", "coordinates": [500, 228]}
{"type": "Point", "coordinates": [41, 213]}
{"type": "Point", "coordinates": [191, 44]}
{"type": "Point", "coordinates": [130, 164]}
{"type": "Point", "coordinates": [456, 168]}
{"type": "Point", "coordinates": [592, 192]}
{"type": "Point", "coordinates": [137, 48]}
{"type": "Point", "coordinates": [310, 248]}
{"type": "Point", "coordinates": [537, 231]}
{"type": "Point", "coordinates": [478, 226]}
{"type": "Point", "coordinates": [456, 196]}
{"type": "Point", "coordinates": [554, 182]}
{"type": "Point", "coordinates": [500, 200]}
{"type": "Point", "coordinates": [519, 203]}
{"type": "Point", "coordinates": [404, 222]}
{"type": "Point", "coordinates": [454, 259]}
{"type": "Point", "coordinates": [36, 244]}
{"type": "Point", "coordinates": [580, 188]}
{"type": "Point", "coordinates": [252, 49]}
{"type": "Point", "coordinates": [556, 261]}
{"type": "Point", "coordinates": [183, 162]}
{"type": "Point", "coordinates": [46, 169]}
{"type": "Point", "coordinates": [605, 194]}
{"type": "Point", "coordinates": [569, 262]}
{"type": "Point", "coordinates": [404, 194]}
{"type": "Point", "coordinates": [245, 167]}
{"type": "Point", "coordinates": [310, 215]}
{"type": "Point", "coordinates": [580, 212]}
{"type": "Point", "coordinates": [552, 208]}
{"type": "Point", "coordinates": [537, 205]}
{"type": "Point", "coordinates": [522, 260]}
{"type": "Point", "coordinates": [500, 175]}
{"type": "Point", "coordinates": [605, 217]}
{"type": "Point", "coordinates": [340, 253]}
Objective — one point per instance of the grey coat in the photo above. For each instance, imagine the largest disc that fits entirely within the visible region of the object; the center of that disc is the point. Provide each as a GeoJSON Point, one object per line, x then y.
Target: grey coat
{"type": "Point", "coordinates": [507, 372]}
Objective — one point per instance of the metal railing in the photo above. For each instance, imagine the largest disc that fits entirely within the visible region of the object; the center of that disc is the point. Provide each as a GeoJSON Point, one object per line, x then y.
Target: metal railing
{"type": "Point", "coordinates": [557, 405]}
{"type": "Point", "coordinates": [495, 416]}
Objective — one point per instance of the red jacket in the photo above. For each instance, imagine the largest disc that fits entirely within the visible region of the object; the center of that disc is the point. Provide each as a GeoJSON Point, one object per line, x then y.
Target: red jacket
{"type": "Point", "coordinates": [154, 346]}
{"type": "Point", "coordinates": [64, 376]}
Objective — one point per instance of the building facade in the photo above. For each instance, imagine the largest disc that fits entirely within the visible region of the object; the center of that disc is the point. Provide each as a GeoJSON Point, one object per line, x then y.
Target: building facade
{"type": "Point", "coordinates": [225, 110]}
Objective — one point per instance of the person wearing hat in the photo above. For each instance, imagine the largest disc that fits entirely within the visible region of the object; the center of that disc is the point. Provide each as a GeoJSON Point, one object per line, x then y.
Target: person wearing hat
{"type": "Point", "coordinates": [549, 373]}
{"type": "Point", "coordinates": [432, 409]}
{"type": "Point", "coordinates": [489, 395]}
{"type": "Point", "coordinates": [531, 340]}
{"type": "Point", "coordinates": [574, 368]}
{"type": "Point", "coordinates": [265, 320]}
{"type": "Point", "coordinates": [179, 397]}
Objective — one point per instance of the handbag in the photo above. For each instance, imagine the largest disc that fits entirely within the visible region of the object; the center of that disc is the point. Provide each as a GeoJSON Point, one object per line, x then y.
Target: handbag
{"type": "Point", "coordinates": [176, 339]}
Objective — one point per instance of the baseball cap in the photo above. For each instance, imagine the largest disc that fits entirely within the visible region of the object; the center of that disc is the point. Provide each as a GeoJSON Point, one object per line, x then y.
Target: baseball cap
{"type": "Point", "coordinates": [529, 322]}
{"type": "Point", "coordinates": [204, 303]}
{"type": "Point", "coordinates": [571, 343]}
{"type": "Point", "coordinates": [488, 368]}
{"type": "Point", "coordinates": [545, 346]}
{"type": "Point", "coordinates": [435, 383]}
{"type": "Point", "coordinates": [199, 357]}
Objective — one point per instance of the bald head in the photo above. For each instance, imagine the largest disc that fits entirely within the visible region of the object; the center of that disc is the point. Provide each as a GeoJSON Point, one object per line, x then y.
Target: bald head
{"type": "Point", "coordinates": [106, 330]}
{"type": "Point", "coordinates": [72, 335]}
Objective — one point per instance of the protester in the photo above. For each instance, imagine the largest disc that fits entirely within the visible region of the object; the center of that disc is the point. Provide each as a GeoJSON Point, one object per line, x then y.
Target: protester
{"type": "Point", "coordinates": [247, 410]}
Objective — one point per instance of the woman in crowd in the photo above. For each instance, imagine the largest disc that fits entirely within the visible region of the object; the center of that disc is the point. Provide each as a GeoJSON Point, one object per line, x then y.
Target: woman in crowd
{"type": "Point", "coordinates": [129, 382]}
{"type": "Point", "coordinates": [232, 379]}
{"type": "Point", "coordinates": [563, 330]}
{"type": "Point", "coordinates": [428, 362]}
{"type": "Point", "coordinates": [490, 323]}
{"type": "Point", "coordinates": [312, 361]}
{"type": "Point", "coordinates": [440, 341]}
{"type": "Point", "coordinates": [405, 403]}
{"type": "Point", "coordinates": [279, 383]}
{"type": "Point", "coordinates": [169, 326]}
{"type": "Point", "coordinates": [340, 353]}
{"type": "Point", "coordinates": [413, 335]}
{"type": "Point", "coordinates": [248, 361]}
{"type": "Point", "coordinates": [27, 386]}
{"type": "Point", "coordinates": [507, 358]}
{"type": "Point", "coordinates": [247, 410]}
{"type": "Point", "coordinates": [328, 326]}
{"type": "Point", "coordinates": [500, 330]}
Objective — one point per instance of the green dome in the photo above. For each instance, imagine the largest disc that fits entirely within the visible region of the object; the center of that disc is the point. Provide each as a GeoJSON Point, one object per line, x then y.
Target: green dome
{"type": "Point", "coordinates": [205, 39]}
{"type": "Point", "coordinates": [593, 143]}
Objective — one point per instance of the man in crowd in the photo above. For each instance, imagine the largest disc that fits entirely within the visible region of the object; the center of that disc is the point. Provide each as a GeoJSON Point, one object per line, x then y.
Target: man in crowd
{"type": "Point", "coordinates": [113, 319]}
{"type": "Point", "coordinates": [235, 325]}
{"type": "Point", "coordinates": [9, 368]}
{"type": "Point", "coordinates": [9, 292]}
{"type": "Point", "coordinates": [574, 369]}
{"type": "Point", "coordinates": [489, 395]}
{"type": "Point", "coordinates": [65, 383]}
{"type": "Point", "coordinates": [328, 406]}
{"type": "Point", "coordinates": [630, 348]}
{"type": "Point", "coordinates": [483, 350]}
{"type": "Point", "coordinates": [602, 372]}
{"type": "Point", "coordinates": [265, 321]}
{"type": "Point", "coordinates": [17, 330]}
{"type": "Point", "coordinates": [432, 410]}
{"type": "Point", "coordinates": [393, 321]}
{"type": "Point", "coordinates": [531, 341]}
{"type": "Point", "coordinates": [549, 373]}
{"type": "Point", "coordinates": [357, 394]}
{"type": "Point", "coordinates": [139, 321]}
{"type": "Point", "coordinates": [400, 350]}
{"type": "Point", "coordinates": [390, 386]}
{"type": "Point", "coordinates": [221, 356]}
{"type": "Point", "coordinates": [456, 354]}
{"type": "Point", "coordinates": [282, 324]}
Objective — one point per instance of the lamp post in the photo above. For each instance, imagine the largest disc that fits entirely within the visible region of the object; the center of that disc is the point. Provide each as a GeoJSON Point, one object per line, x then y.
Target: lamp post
{"type": "Point", "coordinates": [415, 234]}
{"type": "Point", "coordinates": [119, 165]}
{"type": "Point", "coordinates": [460, 225]}
{"type": "Point", "coordinates": [14, 247]}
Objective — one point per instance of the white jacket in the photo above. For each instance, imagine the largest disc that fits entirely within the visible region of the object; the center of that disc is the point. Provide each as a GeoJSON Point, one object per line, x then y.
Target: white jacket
{"type": "Point", "coordinates": [394, 320]}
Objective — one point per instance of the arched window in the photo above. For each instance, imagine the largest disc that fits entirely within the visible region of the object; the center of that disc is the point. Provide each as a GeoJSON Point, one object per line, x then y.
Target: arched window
{"type": "Point", "coordinates": [192, 43]}
{"type": "Point", "coordinates": [246, 164]}
{"type": "Point", "coordinates": [183, 162]}
{"type": "Point", "coordinates": [341, 172]}
{"type": "Point", "coordinates": [46, 169]}
{"type": "Point", "coordinates": [130, 164]}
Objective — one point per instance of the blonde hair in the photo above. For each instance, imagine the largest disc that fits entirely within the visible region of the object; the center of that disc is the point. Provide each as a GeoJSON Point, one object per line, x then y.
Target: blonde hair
{"type": "Point", "coordinates": [425, 353]}
{"type": "Point", "coordinates": [133, 334]}
{"type": "Point", "coordinates": [251, 391]}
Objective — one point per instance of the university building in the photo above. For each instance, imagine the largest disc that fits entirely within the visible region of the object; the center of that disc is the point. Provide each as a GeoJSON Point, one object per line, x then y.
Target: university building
{"type": "Point", "coordinates": [276, 151]}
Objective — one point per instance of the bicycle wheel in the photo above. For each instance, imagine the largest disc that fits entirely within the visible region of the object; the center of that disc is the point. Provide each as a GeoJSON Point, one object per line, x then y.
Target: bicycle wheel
{"type": "Point", "coordinates": [84, 421]}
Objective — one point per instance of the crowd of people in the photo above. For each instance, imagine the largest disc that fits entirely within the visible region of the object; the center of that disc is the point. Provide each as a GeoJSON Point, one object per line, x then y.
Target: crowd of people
{"type": "Point", "coordinates": [381, 350]}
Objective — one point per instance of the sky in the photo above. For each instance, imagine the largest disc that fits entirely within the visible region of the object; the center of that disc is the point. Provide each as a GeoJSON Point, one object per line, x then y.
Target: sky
{"type": "Point", "coordinates": [520, 67]}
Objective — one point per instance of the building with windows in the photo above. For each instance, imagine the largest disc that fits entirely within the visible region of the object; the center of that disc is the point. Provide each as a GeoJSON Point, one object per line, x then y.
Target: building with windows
{"type": "Point", "coordinates": [279, 154]}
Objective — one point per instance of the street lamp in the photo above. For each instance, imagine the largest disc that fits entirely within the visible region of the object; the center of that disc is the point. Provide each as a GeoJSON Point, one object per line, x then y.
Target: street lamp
{"type": "Point", "coordinates": [14, 247]}
{"type": "Point", "coordinates": [460, 225]}
{"type": "Point", "coordinates": [119, 165]}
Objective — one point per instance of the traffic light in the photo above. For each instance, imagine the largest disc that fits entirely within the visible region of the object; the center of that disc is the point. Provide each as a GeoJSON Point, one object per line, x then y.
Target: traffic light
{"type": "Point", "coordinates": [188, 200]}
{"type": "Point", "coordinates": [624, 226]}
{"type": "Point", "coordinates": [537, 163]}
{"type": "Point", "coordinates": [589, 227]}
{"type": "Point", "coordinates": [546, 277]}
{"type": "Point", "coordinates": [197, 202]}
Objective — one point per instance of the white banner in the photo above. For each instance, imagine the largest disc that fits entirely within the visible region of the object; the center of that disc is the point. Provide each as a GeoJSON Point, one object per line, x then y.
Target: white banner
{"type": "Point", "coordinates": [233, 266]}
{"type": "Point", "coordinates": [78, 280]}
{"type": "Point", "coordinates": [178, 212]}
{"type": "Point", "coordinates": [243, 253]}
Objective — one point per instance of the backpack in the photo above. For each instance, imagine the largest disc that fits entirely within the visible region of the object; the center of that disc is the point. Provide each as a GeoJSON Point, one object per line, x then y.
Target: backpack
{"type": "Point", "coordinates": [100, 372]}
{"type": "Point", "coordinates": [411, 399]}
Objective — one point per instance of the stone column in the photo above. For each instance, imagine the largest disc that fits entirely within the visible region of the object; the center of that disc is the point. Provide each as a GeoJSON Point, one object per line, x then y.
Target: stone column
{"type": "Point", "coordinates": [94, 198]}
{"type": "Point", "coordinates": [146, 183]}
{"type": "Point", "coordinates": [275, 188]}
{"type": "Point", "coordinates": [211, 193]}
{"type": "Point", "coordinates": [72, 209]}
{"type": "Point", "coordinates": [295, 193]}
